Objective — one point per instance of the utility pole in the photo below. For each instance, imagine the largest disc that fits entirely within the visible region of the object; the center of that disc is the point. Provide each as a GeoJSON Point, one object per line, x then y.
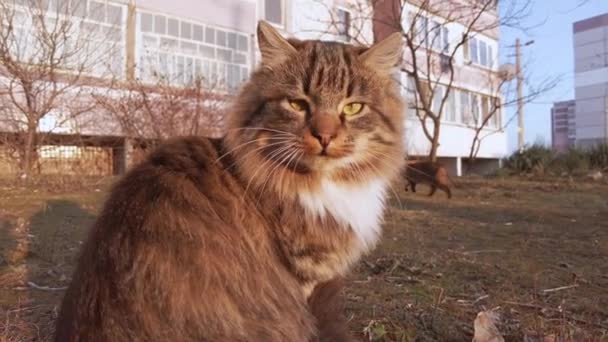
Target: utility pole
{"type": "Point", "coordinates": [606, 119]}
{"type": "Point", "coordinates": [520, 96]}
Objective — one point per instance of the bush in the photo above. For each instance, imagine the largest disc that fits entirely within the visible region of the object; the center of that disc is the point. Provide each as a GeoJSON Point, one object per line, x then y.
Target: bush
{"type": "Point", "coordinates": [534, 159]}
{"type": "Point", "coordinates": [541, 160]}
{"type": "Point", "coordinates": [571, 162]}
{"type": "Point", "coordinates": [598, 156]}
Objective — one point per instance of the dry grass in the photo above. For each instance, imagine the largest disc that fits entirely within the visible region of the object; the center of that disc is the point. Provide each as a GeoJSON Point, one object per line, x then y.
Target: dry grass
{"type": "Point", "coordinates": [499, 244]}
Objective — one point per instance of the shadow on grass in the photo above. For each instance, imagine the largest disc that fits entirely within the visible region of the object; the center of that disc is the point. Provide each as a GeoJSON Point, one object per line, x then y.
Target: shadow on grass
{"type": "Point", "coordinates": [43, 256]}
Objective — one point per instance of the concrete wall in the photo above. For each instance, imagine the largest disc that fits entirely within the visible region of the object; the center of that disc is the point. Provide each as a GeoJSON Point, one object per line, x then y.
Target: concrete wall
{"type": "Point", "coordinates": [454, 140]}
{"type": "Point", "coordinates": [591, 80]}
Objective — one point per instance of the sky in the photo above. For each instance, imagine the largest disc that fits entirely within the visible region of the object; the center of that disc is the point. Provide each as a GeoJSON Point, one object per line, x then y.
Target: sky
{"type": "Point", "coordinates": [551, 55]}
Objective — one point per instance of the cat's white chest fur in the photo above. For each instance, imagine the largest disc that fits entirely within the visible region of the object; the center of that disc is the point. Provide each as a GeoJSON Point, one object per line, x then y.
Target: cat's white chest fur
{"type": "Point", "coordinates": [358, 207]}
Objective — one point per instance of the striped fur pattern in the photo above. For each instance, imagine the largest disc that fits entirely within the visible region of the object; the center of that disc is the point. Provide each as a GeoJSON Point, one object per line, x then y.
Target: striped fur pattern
{"type": "Point", "coordinates": [226, 240]}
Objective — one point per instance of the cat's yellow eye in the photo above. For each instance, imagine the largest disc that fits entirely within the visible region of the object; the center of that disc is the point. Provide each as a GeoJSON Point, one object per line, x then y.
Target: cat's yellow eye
{"type": "Point", "coordinates": [352, 108]}
{"type": "Point", "coordinates": [297, 105]}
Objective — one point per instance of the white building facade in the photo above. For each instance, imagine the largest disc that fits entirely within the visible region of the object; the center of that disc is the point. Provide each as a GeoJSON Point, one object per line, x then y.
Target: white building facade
{"type": "Point", "coordinates": [183, 40]}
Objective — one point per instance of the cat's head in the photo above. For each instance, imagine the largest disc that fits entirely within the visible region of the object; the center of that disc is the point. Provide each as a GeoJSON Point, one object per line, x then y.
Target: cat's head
{"type": "Point", "coordinates": [318, 110]}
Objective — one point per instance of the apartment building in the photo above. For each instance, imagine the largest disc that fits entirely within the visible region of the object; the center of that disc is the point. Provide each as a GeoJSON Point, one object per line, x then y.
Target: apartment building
{"type": "Point", "coordinates": [563, 125]}
{"type": "Point", "coordinates": [183, 40]}
{"type": "Point", "coordinates": [175, 42]}
{"type": "Point", "coordinates": [591, 80]}
{"type": "Point", "coordinates": [437, 33]}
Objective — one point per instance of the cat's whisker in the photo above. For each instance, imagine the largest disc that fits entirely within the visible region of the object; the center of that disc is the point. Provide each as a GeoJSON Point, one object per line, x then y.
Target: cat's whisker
{"type": "Point", "coordinates": [270, 160]}
{"type": "Point", "coordinates": [263, 129]}
{"type": "Point", "coordinates": [298, 154]}
{"type": "Point", "coordinates": [284, 155]}
{"type": "Point", "coordinates": [391, 187]}
{"type": "Point", "coordinates": [287, 154]}
{"type": "Point", "coordinates": [249, 143]}
{"type": "Point", "coordinates": [259, 148]}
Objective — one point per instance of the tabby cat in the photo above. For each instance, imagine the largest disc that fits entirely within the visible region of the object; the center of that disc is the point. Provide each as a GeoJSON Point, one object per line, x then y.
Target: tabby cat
{"type": "Point", "coordinates": [226, 240]}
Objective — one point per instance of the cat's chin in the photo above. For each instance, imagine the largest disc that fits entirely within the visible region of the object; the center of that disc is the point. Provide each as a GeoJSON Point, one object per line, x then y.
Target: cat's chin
{"type": "Point", "coordinates": [328, 165]}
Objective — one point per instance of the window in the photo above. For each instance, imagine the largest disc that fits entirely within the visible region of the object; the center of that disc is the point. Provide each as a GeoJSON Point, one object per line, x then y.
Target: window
{"type": "Point", "coordinates": [343, 24]}
{"type": "Point", "coordinates": [273, 11]}
{"type": "Point", "coordinates": [495, 119]}
{"type": "Point", "coordinates": [146, 22]}
{"type": "Point", "coordinates": [431, 33]}
{"type": "Point", "coordinates": [197, 33]}
{"type": "Point", "coordinates": [490, 56]}
{"type": "Point", "coordinates": [450, 107]}
{"type": "Point", "coordinates": [160, 24]}
{"type": "Point", "coordinates": [422, 29]}
{"type": "Point", "coordinates": [435, 36]}
{"type": "Point", "coordinates": [186, 30]}
{"type": "Point", "coordinates": [480, 52]}
{"type": "Point", "coordinates": [98, 11]}
{"type": "Point", "coordinates": [473, 50]}
{"type": "Point", "coordinates": [437, 98]}
{"type": "Point", "coordinates": [182, 52]}
{"type": "Point", "coordinates": [474, 110]}
{"type": "Point", "coordinates": [483, 53]}
{"type": "Point", "coordinates": [173, 27]}
{"type": "Point", "coordinates": [114, 15]}
{"type": "Point", "coordinates": [465, 108]}
{"type": "Point", "coordinates": [446, 39]}
{"type": "Point", "coordinates": [485, 109]}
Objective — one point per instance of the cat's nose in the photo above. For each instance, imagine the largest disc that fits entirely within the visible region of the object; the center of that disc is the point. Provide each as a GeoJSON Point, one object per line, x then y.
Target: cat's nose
{"type": "Point", "coordinates": [325, 129]}
{"type": "Point", "coordinates": [324, 138]}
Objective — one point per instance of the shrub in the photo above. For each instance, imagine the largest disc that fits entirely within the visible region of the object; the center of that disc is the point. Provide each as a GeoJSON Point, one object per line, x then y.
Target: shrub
{"type": "Point", "coordinates": [541, 160]}
{"type": "Point", "coordinates": [533, 159]}
{"type": "Point", "coordinates": [598, 156]}
{"type": "Point", "coordinates": [572, 161]}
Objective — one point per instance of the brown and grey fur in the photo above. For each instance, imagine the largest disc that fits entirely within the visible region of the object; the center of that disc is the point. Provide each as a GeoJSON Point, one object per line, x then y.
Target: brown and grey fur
{"type": "Point", "coordinates": [426, 172]}
{"type": "Point", "coordinates": [209, 241]}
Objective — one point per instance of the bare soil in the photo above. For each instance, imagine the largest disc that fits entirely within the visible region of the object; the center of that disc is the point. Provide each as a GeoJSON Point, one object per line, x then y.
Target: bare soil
{"type": "Point", "coordinates": [533, 252]}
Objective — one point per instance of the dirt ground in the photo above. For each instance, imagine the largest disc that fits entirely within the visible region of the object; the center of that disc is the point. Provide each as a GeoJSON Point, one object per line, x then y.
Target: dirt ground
{"type": "Point", "coordinates": [535, 253]}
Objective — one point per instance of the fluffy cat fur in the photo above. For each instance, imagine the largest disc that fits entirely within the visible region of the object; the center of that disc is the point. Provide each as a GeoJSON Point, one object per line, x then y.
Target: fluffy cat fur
{"type": "Point", "coordinates": [226, 240]}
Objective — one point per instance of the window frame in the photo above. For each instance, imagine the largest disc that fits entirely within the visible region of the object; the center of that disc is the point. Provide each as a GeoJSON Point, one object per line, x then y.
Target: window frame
{"type": "Point", "coordinates": [345, 35]}
{"type": "Point", "coordinates": [283, 11]}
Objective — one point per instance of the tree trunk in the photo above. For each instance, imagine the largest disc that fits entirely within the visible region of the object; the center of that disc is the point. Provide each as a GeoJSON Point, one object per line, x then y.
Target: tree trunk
{"type": "Point", "coordinates": [29, 153]}
{"type": "Point", "coordinates": [473, 151]}
{"type": "Point", "coordinates": [435, 141]}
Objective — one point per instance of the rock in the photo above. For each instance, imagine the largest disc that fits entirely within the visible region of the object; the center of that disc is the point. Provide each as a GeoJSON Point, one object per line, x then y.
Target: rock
{"type": "Point", "coordinates": [485, 328]}
{"type": "Point", "coordinates": [595, 176]}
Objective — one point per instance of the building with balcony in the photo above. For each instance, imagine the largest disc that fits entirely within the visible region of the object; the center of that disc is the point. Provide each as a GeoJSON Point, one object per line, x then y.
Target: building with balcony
{"type": "Point", "coordinates": [181, 41]}
{"type": "Point", "coordinates": [466, 35]}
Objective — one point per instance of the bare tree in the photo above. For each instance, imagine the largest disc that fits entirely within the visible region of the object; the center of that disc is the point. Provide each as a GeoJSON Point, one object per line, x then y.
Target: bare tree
{"type": "Point", "coordinates": [491, 122]}
{"type": "Point", "coordinates": [158, 110]}
{"type": "Point", "coordinates": [49, 53]}
{"type": "Point", "coordinates": [430, 57]}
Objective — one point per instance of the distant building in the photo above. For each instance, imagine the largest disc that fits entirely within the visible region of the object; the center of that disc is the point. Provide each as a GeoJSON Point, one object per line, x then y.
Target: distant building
{"type": "Point", "coordinates": [563, 125]}
{"type": "Point", "coordinates": [591, 80]}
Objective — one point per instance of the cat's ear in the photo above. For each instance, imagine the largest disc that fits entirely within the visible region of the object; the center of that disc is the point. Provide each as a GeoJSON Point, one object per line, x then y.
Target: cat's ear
{"type": "Point", "coordinates": [385, 55]}
{"type": "Point", "coordinates": [273, 46]}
